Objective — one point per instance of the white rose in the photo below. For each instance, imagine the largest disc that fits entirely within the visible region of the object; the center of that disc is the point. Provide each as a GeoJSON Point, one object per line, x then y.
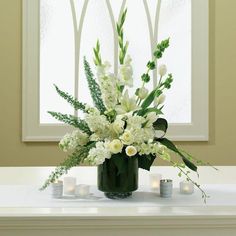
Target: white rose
{"type": "Point", "coordinates": [118, 126]}
{"type": "Point", "coordinates": [127, 138]}
{"type": "Point", "coordinates": [162, 69]}
{"type": "Point", "coordinates": [142, 93]}
{"type": "Point", "coordinates": [131, 151]}
{"type": "Point", "coordinates": [161, 99]}
{"type": "Point", "coordinates": [115, 146]}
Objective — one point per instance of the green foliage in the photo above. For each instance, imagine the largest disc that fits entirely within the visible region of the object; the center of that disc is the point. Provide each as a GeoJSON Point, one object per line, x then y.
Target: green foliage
{"type": "Point", "coordinates": [74, 159]}
{"type": "Point", "coordinates": [172, 147]}
{"type": "Point", "coordinates": [143, 112]}
{"type": "Point", "coordinates": [71, 120]}
{"type": "Point", "coordinates": [161, 124]}
{"type": "Point", "coordinates": [160, 48]}
{"type": "Point", "coordinates": [70, 99]}
{"type": "Point", "coordinates": [123, 46]}
{"type": "Point", "coordinates": [97, 55]}
{"type": "Point", "coordinates": [150, 98]}
{"type": "Point", "coordinates": [94, 88]}
{"type": "Point", "coordinates": [151, 65]}
{"type": "Point", "coordinates": [168, 81]}
{"type": "Point", "coordinates": [145, 78]}
{"type": "Point", "coordinates": [120, 161]}
{"type": "Point", "coordinates": [145, 162]}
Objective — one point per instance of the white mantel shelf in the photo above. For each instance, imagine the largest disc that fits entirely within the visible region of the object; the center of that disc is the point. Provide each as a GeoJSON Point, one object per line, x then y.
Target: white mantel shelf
{"type": "Point", "coordinates": [24, 211]}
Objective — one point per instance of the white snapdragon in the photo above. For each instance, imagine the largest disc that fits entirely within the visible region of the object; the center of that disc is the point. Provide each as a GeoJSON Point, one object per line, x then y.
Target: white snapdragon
{"type": "Point", "coordinates": [109, 90]}
{"type": "Point", "coordinates": [127, 137]}
{"type": "Point", "coordinates": [103, 69]}
{"type": "Point", "coordinates": [130, 151]}
{"type": "Point", "coordinates": [160, 99]}
{"type": "Point", "coordinates": [115, 146]}
{"type": "Point", "coordinates": [98, 154]}
{"type": "Point", "coordinates": [108, 85]}
{"type": "Point", "coordinates": [126, 72]}
{"type": "Point", "coordinates": [162, 69]}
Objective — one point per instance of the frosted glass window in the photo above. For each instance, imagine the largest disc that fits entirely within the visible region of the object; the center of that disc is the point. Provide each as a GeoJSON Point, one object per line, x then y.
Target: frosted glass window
{"type": "Point", "coordinates": [95, 20]}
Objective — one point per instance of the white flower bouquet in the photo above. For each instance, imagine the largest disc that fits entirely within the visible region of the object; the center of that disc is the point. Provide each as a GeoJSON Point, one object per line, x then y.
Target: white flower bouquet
{"type": "Point", "coordinates": [121, 124]}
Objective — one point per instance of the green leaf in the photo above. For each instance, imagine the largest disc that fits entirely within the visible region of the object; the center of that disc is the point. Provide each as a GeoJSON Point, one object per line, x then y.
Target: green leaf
{"type": "Point", "coordinates": [171, 146]}
{"type": "Point", "coordinates": [143, 112]}
{"type": "Point", "coordinates": [120, 161]}
{"type": "Point", "coordinates": [148, 100]}
{"type": "Point", "coordinates": [145, 161]}
{"type": "Point", "coordinates": [161, 124]}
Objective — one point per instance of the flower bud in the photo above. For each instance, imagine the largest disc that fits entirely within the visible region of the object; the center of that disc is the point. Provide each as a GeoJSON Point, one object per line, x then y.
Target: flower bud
{"type": "Point", "coordinates": [142, 93]}
{"type": "Point", "coordinates": [161, 99]}
{"type": "Point", "coordinates": [162, 69]}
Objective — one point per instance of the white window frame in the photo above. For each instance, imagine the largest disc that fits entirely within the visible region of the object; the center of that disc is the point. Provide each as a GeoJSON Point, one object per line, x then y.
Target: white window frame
{"type": "Point", "coordinates": [32, 130]}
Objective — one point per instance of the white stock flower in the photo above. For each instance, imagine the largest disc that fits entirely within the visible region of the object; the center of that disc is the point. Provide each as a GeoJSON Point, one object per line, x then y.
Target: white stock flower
{"type": "Point", "coordinates": [162, 69]}
{"type": "Point", "coordinates": [115, 146]}
{"type": "Point", "coordinates": [130, 151]}
{"type": "Point", "coordinates": [99, 125]}
{"type": "Point", "coordinates": [98, 154]}
{"type": "Point", "coordinates": [126, 73]}
{"type": "Point", "coordinates": [71, 141]}
{"type": "Point", "coordinates": [160, 99]}
{"type": "Point", "coordinates": [135, 122]}
{"type": "Point", "coordinates": [142, 93]}
{"type": "Point", "coordinates": [127, 137]}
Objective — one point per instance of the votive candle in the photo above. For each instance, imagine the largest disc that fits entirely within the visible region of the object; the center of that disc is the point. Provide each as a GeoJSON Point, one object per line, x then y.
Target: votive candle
{"type": "Point", "coordinates": [57, 189]}
{"type": "Point", "coordinates": [166, 186]}
{"type": "Point", "coordinates": [82, 190]}
{"type": "Point", "coordinates": [155, 181]}
{"type": "Point", "coordinates": [69, 185]}
{"type": "Point", "coordinates": [186, 187]}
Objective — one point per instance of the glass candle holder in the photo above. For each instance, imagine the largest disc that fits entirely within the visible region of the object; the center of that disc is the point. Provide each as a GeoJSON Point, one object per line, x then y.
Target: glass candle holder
{"type": "Point", "coordinates": [186, 187]}
{"type": "Point", "coordinates": [69, 185]}
{"type": "Point", "coordinates": [82, 190]}
{"type": "Point", "coordinates": [166, 186]}
{"type": "Point", "coordinates": [57, 189]}
{"type": "Point", "coordinates": [155, 181]}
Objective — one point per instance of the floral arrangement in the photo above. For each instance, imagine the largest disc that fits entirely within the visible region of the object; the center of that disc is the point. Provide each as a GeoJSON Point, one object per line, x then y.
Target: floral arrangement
{"type": "Point", "coordinates": [121, 123]}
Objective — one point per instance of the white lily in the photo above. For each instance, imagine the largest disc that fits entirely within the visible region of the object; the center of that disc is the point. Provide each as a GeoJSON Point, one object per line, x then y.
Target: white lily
{"type": "Point", "coordinates": [127, 104]}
